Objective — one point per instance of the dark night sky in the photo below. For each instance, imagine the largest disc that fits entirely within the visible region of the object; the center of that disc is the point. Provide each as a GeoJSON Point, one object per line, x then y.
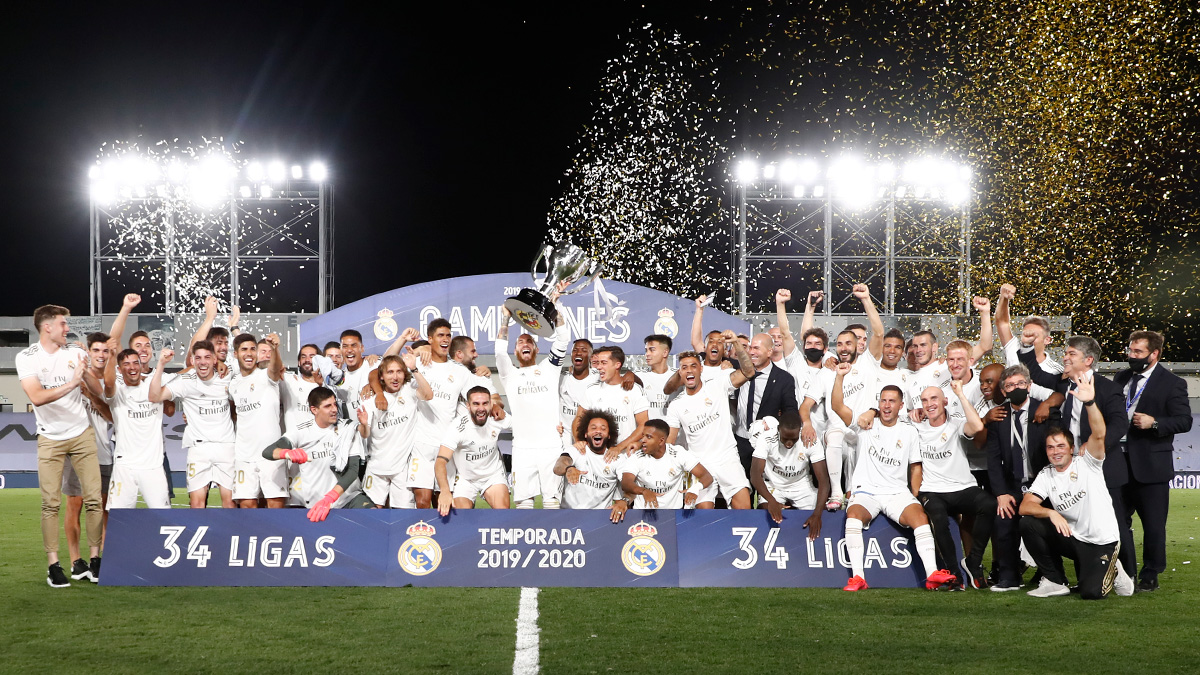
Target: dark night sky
{"type": "Point", "coordinates": [442, 120]}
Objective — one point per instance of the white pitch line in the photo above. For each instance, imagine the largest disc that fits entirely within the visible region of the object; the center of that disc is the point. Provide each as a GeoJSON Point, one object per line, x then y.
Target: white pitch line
{"type": "Point", "coordinates": [525, 662]}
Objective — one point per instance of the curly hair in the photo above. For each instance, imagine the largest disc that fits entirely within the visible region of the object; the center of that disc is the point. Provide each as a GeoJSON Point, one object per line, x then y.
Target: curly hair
{"type": "Point", "coordinates": [589, 415]}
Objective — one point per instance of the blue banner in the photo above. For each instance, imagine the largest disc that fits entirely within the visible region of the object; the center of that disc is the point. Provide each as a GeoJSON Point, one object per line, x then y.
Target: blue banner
{"type": "Point", "coordinates": [747, 548]}
{"type": "Point", "coordinates": [472, 306]}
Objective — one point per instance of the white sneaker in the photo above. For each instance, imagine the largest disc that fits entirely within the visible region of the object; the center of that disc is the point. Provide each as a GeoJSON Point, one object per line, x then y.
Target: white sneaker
{"type": "Point", "coordinates": [1123, 585]}
{"type": "Point", "coordinates": [1049, 589]}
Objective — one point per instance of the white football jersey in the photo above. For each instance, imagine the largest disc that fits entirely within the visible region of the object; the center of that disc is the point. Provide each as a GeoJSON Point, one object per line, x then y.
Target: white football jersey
{"type": "Point", "coordinates": [450, 382]}
{"type": "Point", "coordinates": [652, 387]}
{"type": "Point", "coordinates": [934, 374]}
{"type": "Point", "coordinates": [476, 448]}
{"type": "Point", "coordinates": [884, 454]}
{"type": "Point", "coordinates": [572, 394]}
{"type": "Point", "coordinates": [206, 405]}
{"type": "Point", "coordinates": [316, 476]}
{"type": "Point", "coordinates": [139, 438]}
{"type": "Point", "coordinates": [666, 476]}
{"type": "Point", "coordinates": [622, 405]}
{"type": "Point", "coordinates": [103, 429]}
{"type": "Point", "coordinates": [704, 421]}
{"type": "Point", "coordinates": [256, 399]}
{"type": "Point", "coordinates": [353, 384]}
{"type": "Point", "coordinates": [857, 389]}
{"type": "Point", "coordinates": [393, 431]}
{"type": "Point", "coordinates": [598, 486]}
{"type": "Point", "coordinates": [787, 469]}
{"type": "Point", "coordinates": [294, 391]}
{"type": "Point", "coordinates": [944, 466]}
{"type": "Point", "coordinates": [67, 417]}
{"type": "Point", "coordinates": [1080, 494]}
{"type": "Point", "coordinates": [533, 393]}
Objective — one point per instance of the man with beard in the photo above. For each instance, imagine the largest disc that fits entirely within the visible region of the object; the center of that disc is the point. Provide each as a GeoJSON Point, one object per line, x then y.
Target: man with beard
{"type": "Point", "coordinates": [328, 453]}
{"type": "Point", "coordinates": [205, 397]}
{"type": "Point", "coordinates": [472, 443]}
{"type": "Point", "coordinates": [450, 381]}
{"type": "Point", "coordinates": [590, 480]}
{"type": "Point", "coordinates": [783, 472]}
{"type": "Point", "coordinates": [255, 395]}
{"type": "Point", "coordinates": [884, 482]}
{"type": "Point", "coordinates": [462, 350]}
{"type": "Point", "coordinates": [701, 416]}
{"type": "Point", "coordinates": [1080, 359]}
{"type": "Point", "coordinates": [218, 337]}
{"type": "Point", "coordinates": [656, 475]}
{"type": "Point", "coordinates": [532, 389]}
{"type": "Point", "coordinates": [928, 371]}
{"type": "Point", "coordinates": [393, 423]}
{"type": "Point", "coordinates": [946, 486]}
{"type": "Point", "coordinates": [295, 388]}
{"type": "Point", "coordinates": [1156, 401]}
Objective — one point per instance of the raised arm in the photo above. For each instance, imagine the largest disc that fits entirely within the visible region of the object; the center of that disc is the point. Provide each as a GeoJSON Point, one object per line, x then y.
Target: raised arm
{"type": "Point", "coordinates": [745, 367]}
{"type": "Point", "coordinates": [210, 315]}
{"type": "Point", "coordinates": [837, 399]}
{"type": "Point", "coordinates": [1003, 316]}
{"type": "Point", "coordinates": [814, 299]}
{"type": "Point", "coordinates": [424, 391]}
{"type": "Point", "coordinates": [406, 336]}
{"type": "Point", "coordinates": [110, 368]}
{"type": "Point", "coordinates": [782, 297]}
{"type": "Point", "coordinates": [698, 325]}
{"type": "Point", "coordinates": [158, 393]}
{"type": "Point", "coordinates": [973, 424]}
{"type": "Point", "coordinates": [118, 328]}
{"type": "Point", "coordinates": [1086, 393]}
{"type": "Point", "coordinates": [875, 343]}
{"type": "Point", "coordinates": [275, 365]}
{"type": "Point", "coordinates": [984, 307]}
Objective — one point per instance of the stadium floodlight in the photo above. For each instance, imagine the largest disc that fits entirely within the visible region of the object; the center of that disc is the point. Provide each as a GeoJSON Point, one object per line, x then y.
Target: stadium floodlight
{"type": "Point", "coordinates": [176, 172]}
{"type": "Point", "coordinates": [93, 172]}
{"type": "Point", "coordinates": [276, 171]}
{"type": "Point", "coordinates": [747, 171]}
{"type": "Point", "coordinates": [808, 171]}
{"type": "Point", "coordinates": [254, 172]}
{"type": "Point", "coordinates": [245, 192]}
{"type": "Point", "coordinates": [209, 181]}
{"type": "Point", "coordinates": [886, 172]}
{"type": "Point", "coordinates": [769, 171]}
{"type": "Point", "coordinates": [819, 191]}
{"type": "Point", "coordinates": [265, 191]}
{"type": "Point", "coordinates": [787, 171]}
{"type": "Point", "coordinates": [297, 172]}
{"type": "Point", "coordinates": [901, 191]}
{"type": "Point", "coordinates": [956, 193]}
{"type": "Point", "coordinates": [852, 182]}
{"type": "Point", "coordinates": [799, 192]}
{"type": "Point", "coordinates": [318, 172]}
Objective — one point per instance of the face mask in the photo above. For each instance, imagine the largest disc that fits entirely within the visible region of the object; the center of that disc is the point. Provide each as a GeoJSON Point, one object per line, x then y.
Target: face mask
{"type": "Point", "coordinates": [1138, 365]}
{"type": "Point", "coordinates": [1018, 396]}
{"type": "Point", "coordinates": [814, 355]}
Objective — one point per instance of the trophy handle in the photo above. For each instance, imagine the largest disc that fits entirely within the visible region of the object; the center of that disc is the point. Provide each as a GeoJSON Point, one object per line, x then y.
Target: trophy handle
{"type": "Point", "coordinates": [542, 255]}
{"type": "Point", "coordinates": [593, 272]}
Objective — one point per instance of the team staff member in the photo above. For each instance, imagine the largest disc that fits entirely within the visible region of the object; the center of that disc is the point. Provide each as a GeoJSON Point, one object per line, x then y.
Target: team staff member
{"type": "Point", "coordinates": [51, 375]}
{"type": "Point", "coordinates": [1081, 525]}
{"type": "Point", "coordinates": [1156, 401]}
{"type": "Point", "coordinates": [771, 392]}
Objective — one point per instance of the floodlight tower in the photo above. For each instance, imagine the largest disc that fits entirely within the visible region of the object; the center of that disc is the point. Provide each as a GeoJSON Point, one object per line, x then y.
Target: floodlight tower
{"type": "Point", "coordinates": [195, 223]}
{"type": "Point", "coordinates": [859, 222]}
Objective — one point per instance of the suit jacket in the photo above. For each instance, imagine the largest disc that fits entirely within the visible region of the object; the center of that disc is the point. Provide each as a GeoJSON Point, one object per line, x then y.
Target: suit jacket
{"type": "Point", "coordinates": [1116, 423]}
{"type": "Point", "coordinates": [1165, 399]}
{"type": "Point", "coordinates": [1040, 377]}
{"type": "Point", "coordinates": [778, 397]}
{"type": "Point", "coordinates": [1005, 468]}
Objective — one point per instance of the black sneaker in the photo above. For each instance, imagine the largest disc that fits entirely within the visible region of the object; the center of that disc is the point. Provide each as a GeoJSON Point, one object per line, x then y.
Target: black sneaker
{"type": "Point", "coordinates": [1147, 585]}
{"type": "Point", "coordinates": [56, 577]}
{"type": "Point", "coordinates": [79, 570]}
{"type": "Point", "coordinates": [973, 578]}
{"type": "Point", "coordinates": [94, 571]}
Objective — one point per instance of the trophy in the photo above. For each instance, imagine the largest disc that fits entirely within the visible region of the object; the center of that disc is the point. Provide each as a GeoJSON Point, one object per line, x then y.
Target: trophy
{"type": "Point", "coordinates": [564, 262]}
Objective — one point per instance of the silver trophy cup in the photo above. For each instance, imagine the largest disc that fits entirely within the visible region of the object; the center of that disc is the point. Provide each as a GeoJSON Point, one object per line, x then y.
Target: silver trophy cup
{"type": "Point", "coordinates": [564, 262]}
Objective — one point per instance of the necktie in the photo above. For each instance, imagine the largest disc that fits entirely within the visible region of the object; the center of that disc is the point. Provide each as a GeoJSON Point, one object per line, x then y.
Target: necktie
{"type": "Point", "coordinates": [750, 402]}
{"type": "Point", "coordinates": [1019, 433]}
{"type": "Point", "coordinates": [1133, 385]}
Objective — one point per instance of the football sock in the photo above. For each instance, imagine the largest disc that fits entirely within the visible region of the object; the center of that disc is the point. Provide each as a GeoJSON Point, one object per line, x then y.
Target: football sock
{"type": "Point", "coordinates": [924, 537]}
{"type": "Point", "coordinates": [854, 545]}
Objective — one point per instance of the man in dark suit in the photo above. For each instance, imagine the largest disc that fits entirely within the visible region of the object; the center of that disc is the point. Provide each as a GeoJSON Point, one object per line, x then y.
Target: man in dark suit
{"type": "Point", "coordinates": [1156, 401]}
{"type": "Point", "coordinates": [1016, 452]}
{"type": "Point", "coordinates": [771, 392]}
{"type": "Point", "coordinates": [1079, 359]}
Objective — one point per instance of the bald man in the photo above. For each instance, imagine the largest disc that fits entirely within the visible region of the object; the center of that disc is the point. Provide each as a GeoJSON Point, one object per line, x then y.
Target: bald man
{"type": "Point", "coordinates": [770, 393]}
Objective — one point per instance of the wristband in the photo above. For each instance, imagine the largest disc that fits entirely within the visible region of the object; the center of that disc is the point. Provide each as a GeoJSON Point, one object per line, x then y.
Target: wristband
{"type": "Point", "coordinates": [1091, 402]}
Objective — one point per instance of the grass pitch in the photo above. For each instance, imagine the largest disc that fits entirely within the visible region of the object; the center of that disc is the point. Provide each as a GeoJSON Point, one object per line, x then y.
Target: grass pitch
{"type": "Point", "coordinates": [470, 630]}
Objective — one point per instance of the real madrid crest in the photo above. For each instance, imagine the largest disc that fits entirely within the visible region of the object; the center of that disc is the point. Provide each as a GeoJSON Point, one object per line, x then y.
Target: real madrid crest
{"type": "Point", "coordinates": [643, 555]}
{"type": "Point", "coordinates": [665, 325]}
{"type": "Point", "coordinates": [420, 554]}
{"type": "Point", "coordinates": [1074, 476]}
{"type": "Point", "coordinates": [385, 326]}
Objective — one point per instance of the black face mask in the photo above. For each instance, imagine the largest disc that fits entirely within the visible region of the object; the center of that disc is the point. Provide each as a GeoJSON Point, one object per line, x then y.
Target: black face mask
{"type": "Point", "coordinates": [814, 355]}
{"type": "Point", "coordinates": [1138, 365]}
{"type": "Point", "coordinates": [1018, 396]}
